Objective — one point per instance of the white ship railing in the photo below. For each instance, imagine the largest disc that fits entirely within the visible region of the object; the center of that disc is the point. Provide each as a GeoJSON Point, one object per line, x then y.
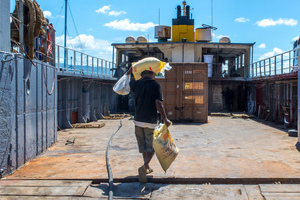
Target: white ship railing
{"type": "Point", "coordinates": [71, 61]}
{"type": "Point", "coordinates": [284, 63]}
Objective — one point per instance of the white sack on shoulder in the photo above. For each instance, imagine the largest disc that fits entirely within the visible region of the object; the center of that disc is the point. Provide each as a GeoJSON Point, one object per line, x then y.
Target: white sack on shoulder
{"type": "Point", "coordinates": [122, 86]}
{"type": "Point", "coordinates": [167, 68]}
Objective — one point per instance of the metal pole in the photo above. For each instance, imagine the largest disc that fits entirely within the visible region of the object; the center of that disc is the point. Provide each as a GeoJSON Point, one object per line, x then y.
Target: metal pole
{"type": "Point", "coordinates": [270, 70]}
{"type": "Point", "coordinates": [113, 55]}
{"type": "Point", "coordinates": [264, 67]}
{"type": "Point", "coordinates": [281, 63]}
{"type": "Point", "coordinates": [65, 44]}
{"type": "Point", "coordinates": [58, 58]}
{"type": "Point", "coordinates": [252, 62]}
{"type": "Point", "coordinates": [275, 65]}
{"type": "Point", "coordinates": [212, 18]}
{"type": "Point", "coordinates": [159, 16]}
{"type": "Point", "coordinates": [5, 25]}
{"type": "Point", "coordinates": [182, 52]}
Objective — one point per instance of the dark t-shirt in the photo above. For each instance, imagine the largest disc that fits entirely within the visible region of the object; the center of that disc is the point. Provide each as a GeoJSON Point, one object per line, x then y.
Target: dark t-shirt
{"type": "Point", "coordinates": [146, 91]}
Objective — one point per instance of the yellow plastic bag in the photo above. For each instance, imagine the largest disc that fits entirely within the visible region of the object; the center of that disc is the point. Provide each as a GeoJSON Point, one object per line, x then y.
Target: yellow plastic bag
{"type": "Point", "coordinates": [150, 63]}
{"type": "Point", "coordinates": [164, 146]}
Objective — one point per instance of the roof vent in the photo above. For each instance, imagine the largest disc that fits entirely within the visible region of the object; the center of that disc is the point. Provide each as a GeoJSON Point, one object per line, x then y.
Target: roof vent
{"type": "Point", "coordinates": [142, 39]}
{"type": "Point", "coordinates": [224, 40]}
{"type": "Point", "coordinates": [130, 39]}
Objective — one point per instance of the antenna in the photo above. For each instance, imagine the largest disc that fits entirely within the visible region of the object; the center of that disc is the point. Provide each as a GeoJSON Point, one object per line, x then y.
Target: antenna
{"type": "Point", "coordinates": [65, 42]}
{"type": "Point", "coordinates": [184, 8]}
{"type": "Point", "coordinates": [212, 18]}
{"type": "Point", "coordinates": [159, 16]}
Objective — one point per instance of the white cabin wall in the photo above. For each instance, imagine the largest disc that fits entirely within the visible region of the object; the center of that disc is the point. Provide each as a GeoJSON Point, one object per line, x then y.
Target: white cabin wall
{"type": "Point", "coordinates": [177, 53]}
{"type": "Point", "coordinates": [188, 53]}
{"type": "Point", "coordinates": [167, 51]}
{"type": "Point", "coordinates": [198, 53]}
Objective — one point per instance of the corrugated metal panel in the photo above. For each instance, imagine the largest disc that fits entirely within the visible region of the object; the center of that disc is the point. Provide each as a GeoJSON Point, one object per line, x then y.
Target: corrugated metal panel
{"type": "Point", "coordinates": [31, 109]}
{"type": "Point", "coordinates": [91, 99]}
{"type": "Point", "coordinates": [185, 92]}
{"type": "Point", "coordinates": [5, 112]}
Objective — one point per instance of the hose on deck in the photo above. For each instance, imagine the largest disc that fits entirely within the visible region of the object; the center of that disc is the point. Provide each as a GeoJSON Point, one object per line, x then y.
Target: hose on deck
{"type": "Point", "coordinates": [109, 172]}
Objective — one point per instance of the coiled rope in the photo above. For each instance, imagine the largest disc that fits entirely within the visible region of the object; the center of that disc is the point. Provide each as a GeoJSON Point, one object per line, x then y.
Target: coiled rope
{"type": "Point", "coordinates": [109, 172]}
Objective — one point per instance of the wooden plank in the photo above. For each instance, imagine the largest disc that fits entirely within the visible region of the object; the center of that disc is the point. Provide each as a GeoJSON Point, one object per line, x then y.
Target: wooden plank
{"type": "Point", "coordinates": [89, 125]}
{"type": "Point", "coordinates": [116, 116]}
{"type": "Point", "coordinates": [283, 196]}
{"type": "Point", "coordinates": [253, 192]}
{"type": "Point", "coordinates": [48, 198]}
{"type": "Point", "coordinates": [168, 192]}
{"type": "Point", "coordinates": [41, 191]}
{"type": "Point", "coordinates": [43, 183]}
{"type": "Point", "coordinates": [234, 115]}
{"type": "Point", "coordinates": [280, 188]}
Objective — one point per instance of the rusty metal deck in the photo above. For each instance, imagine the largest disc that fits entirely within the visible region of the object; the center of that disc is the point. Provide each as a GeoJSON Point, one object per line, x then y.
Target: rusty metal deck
{"type": "Point", "coordinates": [223, 149]}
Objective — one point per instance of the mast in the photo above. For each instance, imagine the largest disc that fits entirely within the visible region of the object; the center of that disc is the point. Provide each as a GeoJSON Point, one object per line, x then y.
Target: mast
{"type": "Point", "coordinates": [212, 18]}
{"type": "Point", "coordinates": [65, 42]}
{"type": "Point", "coordinates": [184, 8]}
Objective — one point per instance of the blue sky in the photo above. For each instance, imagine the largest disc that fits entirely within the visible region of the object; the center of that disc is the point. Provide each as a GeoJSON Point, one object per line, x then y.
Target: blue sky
{"type": "Point", "coordinates": [272, 24]}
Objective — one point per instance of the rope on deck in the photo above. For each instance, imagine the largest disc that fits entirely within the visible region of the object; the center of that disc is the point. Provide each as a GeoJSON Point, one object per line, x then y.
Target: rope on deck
{"type": "Point", "coordinates": [109, 172]}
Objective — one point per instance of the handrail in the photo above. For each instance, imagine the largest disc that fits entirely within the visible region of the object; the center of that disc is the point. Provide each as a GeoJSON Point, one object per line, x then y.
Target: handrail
{"type": "Point", "coordinates": [276, 65]}
{"type": "Point", "coordinates": [81, 63]}
{"type": "Point", "coordinates": [68, 60]}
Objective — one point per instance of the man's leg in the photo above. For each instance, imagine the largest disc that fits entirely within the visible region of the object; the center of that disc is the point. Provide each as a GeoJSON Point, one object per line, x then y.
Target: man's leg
{"type": "Point", "coordinates": [147, 158]}
{"type": "Point", "coordinates": [140, 136]}
{"type": "Point", "coordinates": [145, 169]}
{"type": "Point", "coordinates": [145, 142]}
{"type": "Point", "coordinates": [149, 151]}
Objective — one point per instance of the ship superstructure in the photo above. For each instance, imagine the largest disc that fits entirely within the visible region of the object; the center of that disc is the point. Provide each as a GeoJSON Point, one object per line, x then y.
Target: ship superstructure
{"type": "Point", "coordinates": [228, 62]}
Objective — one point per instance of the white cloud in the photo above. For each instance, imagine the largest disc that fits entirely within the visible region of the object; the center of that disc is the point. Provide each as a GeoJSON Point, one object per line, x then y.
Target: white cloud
{"type": "Point", "coordinates": [126, 25]}
{"type": "Point", "coordinates": [262, 46]}
{"type": "Point", "coordinates": [295, 38]}
{"type": "Point", "coordinates": [270, 54]}
{"type": "Point", "coordinates": [60, 16]}
{"type": "Point", "coordinates": [47, 14]}
{"type": "Point", "coordinates": [280, 21]}
{"type": "Point", "coordinates": [242, 19]}
{"type": "Point", "coordinates": [115, 13]}
{"type": "Point", "coordinates": [220, 36]}
{"type": "Point", "coordinates": [103, 10]}
{"type": "Point", "coordinates": [89, 44]}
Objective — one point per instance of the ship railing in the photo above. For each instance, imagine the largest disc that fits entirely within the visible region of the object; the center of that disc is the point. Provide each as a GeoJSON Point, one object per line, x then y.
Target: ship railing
{"type": "Point", "coordinates": [70, 61]}
{"type": "Point", "coordinates": [284, 63]}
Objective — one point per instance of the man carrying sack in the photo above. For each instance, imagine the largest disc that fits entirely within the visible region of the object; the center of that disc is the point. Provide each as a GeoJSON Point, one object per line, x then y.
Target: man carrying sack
{"type": "Point", "coordinates": [148, 100]}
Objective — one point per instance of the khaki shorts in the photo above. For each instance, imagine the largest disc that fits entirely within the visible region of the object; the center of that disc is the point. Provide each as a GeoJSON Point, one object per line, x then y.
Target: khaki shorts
{"type": "Point", "coordinates": [144, 137]}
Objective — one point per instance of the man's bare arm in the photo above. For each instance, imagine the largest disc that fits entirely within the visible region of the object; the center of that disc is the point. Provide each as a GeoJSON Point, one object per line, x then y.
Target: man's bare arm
{"type": "Point", "coordinates": [161, 110]}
